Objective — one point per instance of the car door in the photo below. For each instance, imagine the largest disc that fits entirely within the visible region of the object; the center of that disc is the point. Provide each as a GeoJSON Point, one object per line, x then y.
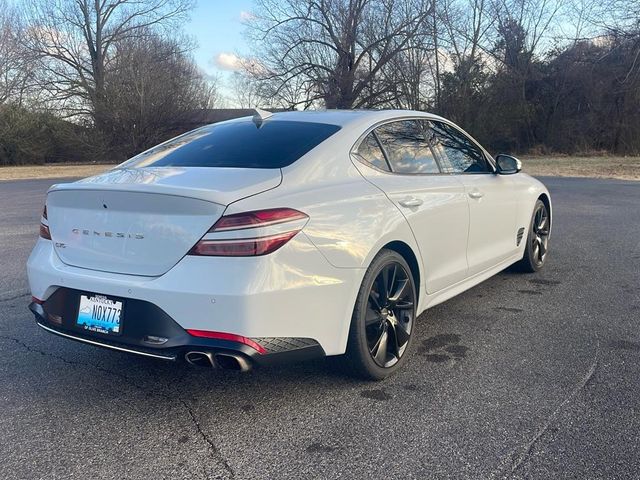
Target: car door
{"type": "Point", "coordinates": [401, 163]}
{"type": "Point", "coordinates": [492, 198]}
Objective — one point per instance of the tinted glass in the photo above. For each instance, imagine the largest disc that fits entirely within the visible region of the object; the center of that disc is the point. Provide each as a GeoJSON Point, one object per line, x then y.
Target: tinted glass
{"type": "Point", "coordinates": [460, 154]}
{"type": "Point", "coordinates": [407, 148]}
{"type": "Point", "coordinates": [241, 144]}
{"type": "Point", "coordinates": [370, 152]}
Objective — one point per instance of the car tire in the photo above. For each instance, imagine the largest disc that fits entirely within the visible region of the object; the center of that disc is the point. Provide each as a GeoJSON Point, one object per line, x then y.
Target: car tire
{"type": "Point", "coordinates": [383, 320]}
{"type": "Point", "coordinates": [537, 246]}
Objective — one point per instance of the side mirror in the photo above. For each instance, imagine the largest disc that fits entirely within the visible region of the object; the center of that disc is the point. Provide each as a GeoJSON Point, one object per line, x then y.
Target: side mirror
{"type": "Point", "coordinates": [507, 165]}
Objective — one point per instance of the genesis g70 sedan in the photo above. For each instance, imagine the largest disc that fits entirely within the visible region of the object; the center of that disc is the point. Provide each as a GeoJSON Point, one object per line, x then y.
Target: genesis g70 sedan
{"type": "Point", "coordinates": [283, 237]}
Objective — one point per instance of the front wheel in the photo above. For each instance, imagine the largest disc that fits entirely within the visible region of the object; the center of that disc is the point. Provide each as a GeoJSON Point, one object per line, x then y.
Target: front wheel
{"type": "Point", "coordinates": [383, 318]}
{"type": "Point", "coordinates": [537, 247]}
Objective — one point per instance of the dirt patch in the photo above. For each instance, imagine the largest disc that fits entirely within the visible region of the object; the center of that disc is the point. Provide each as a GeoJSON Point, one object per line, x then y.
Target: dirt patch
{"type": "Point", "coordinates": [624, 168]}
{"type": "Point", "coordinates": [51, 171]}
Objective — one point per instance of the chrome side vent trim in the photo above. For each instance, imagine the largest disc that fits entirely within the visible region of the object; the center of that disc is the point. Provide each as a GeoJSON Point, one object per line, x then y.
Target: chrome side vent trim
{"type": "Point", "coordinates": [519, 236]}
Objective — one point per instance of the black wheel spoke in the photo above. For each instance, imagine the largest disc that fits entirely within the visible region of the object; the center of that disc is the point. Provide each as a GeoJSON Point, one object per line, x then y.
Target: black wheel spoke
{"type": "Point", "coordinates": [389, 315]}
{"type": "Point", "coordinates": [540, 234]}
{"type": "Point", "coordinates": [399, 291]}
{"type": "Point", "coordinates": [371, 317]}
{"type": "Point", "coordinates": [384, 284]}
{"type": "Point", "coordinates": [392, 281]}
{"type": "Point", "coordinates": [403, 305]}
{"type": "Point", "coordinates": [401, 337]}
{"type": "Point", "coordinates": [536, 250]}
{"type": "Point", "coordinates": [543, 220]}
{"type": "Point", "coordinates": [543, 246]}
{"type": "Point", "coordinates": [375, 299]}
{"type": "Point", "coordinates": [379, 350]}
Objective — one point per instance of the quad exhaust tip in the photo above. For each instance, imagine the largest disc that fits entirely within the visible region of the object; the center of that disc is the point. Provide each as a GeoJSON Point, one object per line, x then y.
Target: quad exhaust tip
{"type": "Point", "coordinates": [224, 361]}
{"type": "Point", "coordinates": [201, 359]}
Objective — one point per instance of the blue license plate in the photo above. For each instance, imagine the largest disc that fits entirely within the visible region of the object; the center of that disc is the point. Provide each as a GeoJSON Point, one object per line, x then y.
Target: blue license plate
{"type": "Point", "coordinates": [100, 314]}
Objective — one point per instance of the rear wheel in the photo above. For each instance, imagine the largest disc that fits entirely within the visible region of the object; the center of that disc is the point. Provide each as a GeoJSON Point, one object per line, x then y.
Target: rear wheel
{"type": "Point", "coordinates": [383, 318]}
{"type": "Point", "coordinates": [535, 253]}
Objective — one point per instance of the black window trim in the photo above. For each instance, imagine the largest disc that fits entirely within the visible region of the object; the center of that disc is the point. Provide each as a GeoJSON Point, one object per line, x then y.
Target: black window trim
{"type": "Point", "coordinates": [490, 163]}
{"type": "Point", "coordinates": [356, 145]}
{"type": "Point", "coordinates": [353, 151]}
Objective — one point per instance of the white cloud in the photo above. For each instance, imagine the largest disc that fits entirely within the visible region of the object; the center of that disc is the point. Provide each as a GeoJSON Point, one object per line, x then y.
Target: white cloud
{"type": "Point", "coordinates": [244, 16]}
{"type": "Point", "coordinates": [228, 61]}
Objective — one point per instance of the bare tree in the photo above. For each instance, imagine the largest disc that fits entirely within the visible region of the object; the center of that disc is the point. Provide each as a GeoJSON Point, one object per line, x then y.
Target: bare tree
{"type": "Point", "coordinates": [75, 40]}
{"type": "Point", "coordinates": [413, 73]}
{"type": "Point", "coordinates": [337, 50]}
{"type": "Point", "coordinates": [153, 90]}
{"type": "Point", "coordinates": [245, 90]}
{"type": "Point", "coordinates": [467, 26]}
{"type": "Point", "coordinates": [16, 62]}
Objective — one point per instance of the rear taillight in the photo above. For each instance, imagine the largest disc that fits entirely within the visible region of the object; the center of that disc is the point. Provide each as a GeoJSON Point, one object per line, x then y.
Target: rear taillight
{"type": "Point", "coordinates": [251, 234]}
{"type": "Point", "coordinates": [44, 225]}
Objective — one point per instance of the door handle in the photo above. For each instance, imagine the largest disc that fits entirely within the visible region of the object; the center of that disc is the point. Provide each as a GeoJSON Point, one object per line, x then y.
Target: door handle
{"type": "Point", "coordinates": [476, 194]}
{"type": "Point", "coordinates": [410, 202]}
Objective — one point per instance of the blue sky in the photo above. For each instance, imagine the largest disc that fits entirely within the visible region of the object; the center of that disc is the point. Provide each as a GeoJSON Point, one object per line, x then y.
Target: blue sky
{"type": "Point", "coordinates": [217, 27]}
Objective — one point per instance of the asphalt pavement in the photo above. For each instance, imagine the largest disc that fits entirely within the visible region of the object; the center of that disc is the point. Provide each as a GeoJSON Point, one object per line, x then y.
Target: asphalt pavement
{"type": "Point", "coordinates": [524, 376]}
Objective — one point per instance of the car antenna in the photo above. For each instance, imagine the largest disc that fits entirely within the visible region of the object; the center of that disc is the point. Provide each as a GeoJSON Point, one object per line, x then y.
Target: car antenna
{"type": "Point", "coordinates": [260, 116]}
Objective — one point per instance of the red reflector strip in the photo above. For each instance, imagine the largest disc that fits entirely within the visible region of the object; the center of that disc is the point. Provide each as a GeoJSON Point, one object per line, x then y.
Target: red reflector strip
{"type": "Point", "coordinates": [231, 337]}
{"type": "Point", "coordinates": [37, 300]}
{"type": "Point", "coordinates": [44, 232]}
{"type": "Point", "coordinates": [249, 247]}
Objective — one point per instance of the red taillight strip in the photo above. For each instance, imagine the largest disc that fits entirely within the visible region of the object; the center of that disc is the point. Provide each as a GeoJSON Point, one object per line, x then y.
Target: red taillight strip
{"type": "Point", "coordinates": [37, 300]}
{"type": "Point", "coordinates": [44, 232]}
{"type": "Point", "coordinates": [257, 218]}
{"type": "Point", "coordinates": [44, 228]}
{"type": "Point", "coordinates": [244, 247]}
{"type": "Point", "coordinates": [231, 337]}
{"type": "Point", "coordinates": [250, 234]}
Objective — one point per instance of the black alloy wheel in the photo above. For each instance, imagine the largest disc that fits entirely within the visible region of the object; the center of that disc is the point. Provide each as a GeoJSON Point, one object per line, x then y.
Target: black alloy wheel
{"type": "Point", "coordinates": [537, 246]}
{"type": "Point", "coordinates": [540, 237]}
{"type": "Point", "coordinates": [383, 319]}
{"type": "Point", "coordinates": [389, 317]}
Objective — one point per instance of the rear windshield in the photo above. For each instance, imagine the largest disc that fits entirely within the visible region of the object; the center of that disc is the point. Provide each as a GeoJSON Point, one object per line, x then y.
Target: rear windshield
{"type": "Point", "coordinates": [241, 144]}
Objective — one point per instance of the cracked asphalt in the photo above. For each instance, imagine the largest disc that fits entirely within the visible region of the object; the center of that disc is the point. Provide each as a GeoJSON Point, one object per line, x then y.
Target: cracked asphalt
{"type": "Point", "coordinates": [524, 376]}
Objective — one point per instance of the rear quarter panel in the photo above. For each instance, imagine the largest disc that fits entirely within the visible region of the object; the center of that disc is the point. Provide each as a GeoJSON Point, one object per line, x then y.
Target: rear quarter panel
{"type": "Point", "coordinates": [350, 220]}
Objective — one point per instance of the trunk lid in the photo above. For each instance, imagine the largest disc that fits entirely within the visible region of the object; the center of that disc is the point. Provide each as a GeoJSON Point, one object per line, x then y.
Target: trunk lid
{"type": "Point", "coordinates": [143, 221]}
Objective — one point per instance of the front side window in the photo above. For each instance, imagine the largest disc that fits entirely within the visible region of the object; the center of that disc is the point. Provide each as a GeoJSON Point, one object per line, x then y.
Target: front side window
{"type": "Point", "coordinates": [238, 144]}
{"type": "Point", "coordinates": [459, 153]}
{"type": "Point", "coordinates": [370, 152]}
{"type": "Point", "coordinates": [407, 148]}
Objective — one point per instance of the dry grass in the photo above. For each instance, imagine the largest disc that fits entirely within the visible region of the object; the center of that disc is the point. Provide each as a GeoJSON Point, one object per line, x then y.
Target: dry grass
{"type": "Point", "coordinates": [51, 171]}
{"type": "Point", "coordinates": [626, 168]}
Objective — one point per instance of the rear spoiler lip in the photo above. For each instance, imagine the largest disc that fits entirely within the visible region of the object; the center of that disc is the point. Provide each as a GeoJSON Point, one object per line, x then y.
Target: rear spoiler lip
{"type": "Point", "coordinates": [188, 182]}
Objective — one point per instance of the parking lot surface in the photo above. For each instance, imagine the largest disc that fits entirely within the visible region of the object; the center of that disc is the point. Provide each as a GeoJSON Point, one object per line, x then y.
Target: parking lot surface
{"type": "Point", "coordinates": [524, 376]}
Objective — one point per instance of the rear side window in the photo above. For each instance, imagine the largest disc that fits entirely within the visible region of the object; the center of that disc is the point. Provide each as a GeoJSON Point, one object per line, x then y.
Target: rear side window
{"type": "Point", "coordinates": [240, 144]}
{"type": "Point", "coordinates": [460, 153]}
{"type": "Point", "coordinates": [370, 152]}
{"type": "Point", "coordinates": [407, 148]}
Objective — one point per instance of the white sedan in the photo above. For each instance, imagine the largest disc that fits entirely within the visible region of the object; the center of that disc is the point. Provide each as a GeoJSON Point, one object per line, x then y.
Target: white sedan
{"type": "Point", "coordinates": [284, 237]}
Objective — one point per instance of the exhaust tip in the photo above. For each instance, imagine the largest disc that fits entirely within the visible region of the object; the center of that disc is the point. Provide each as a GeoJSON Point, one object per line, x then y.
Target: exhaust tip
{"type": "Point", "coordinates": [232, 362]}
{"type": "Point", "coordinates": [200, 359]}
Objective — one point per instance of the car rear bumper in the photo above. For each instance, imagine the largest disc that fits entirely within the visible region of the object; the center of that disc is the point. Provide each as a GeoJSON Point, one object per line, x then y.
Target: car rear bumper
{"type": "Point", "coordinates": [293, 293]}
{"type": "Point", "coordinates": [143, 321]}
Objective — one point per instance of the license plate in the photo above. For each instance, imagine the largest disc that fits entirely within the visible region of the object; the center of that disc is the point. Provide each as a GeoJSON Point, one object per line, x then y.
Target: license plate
{"type": "Point", "coordinates": [101, 314]}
